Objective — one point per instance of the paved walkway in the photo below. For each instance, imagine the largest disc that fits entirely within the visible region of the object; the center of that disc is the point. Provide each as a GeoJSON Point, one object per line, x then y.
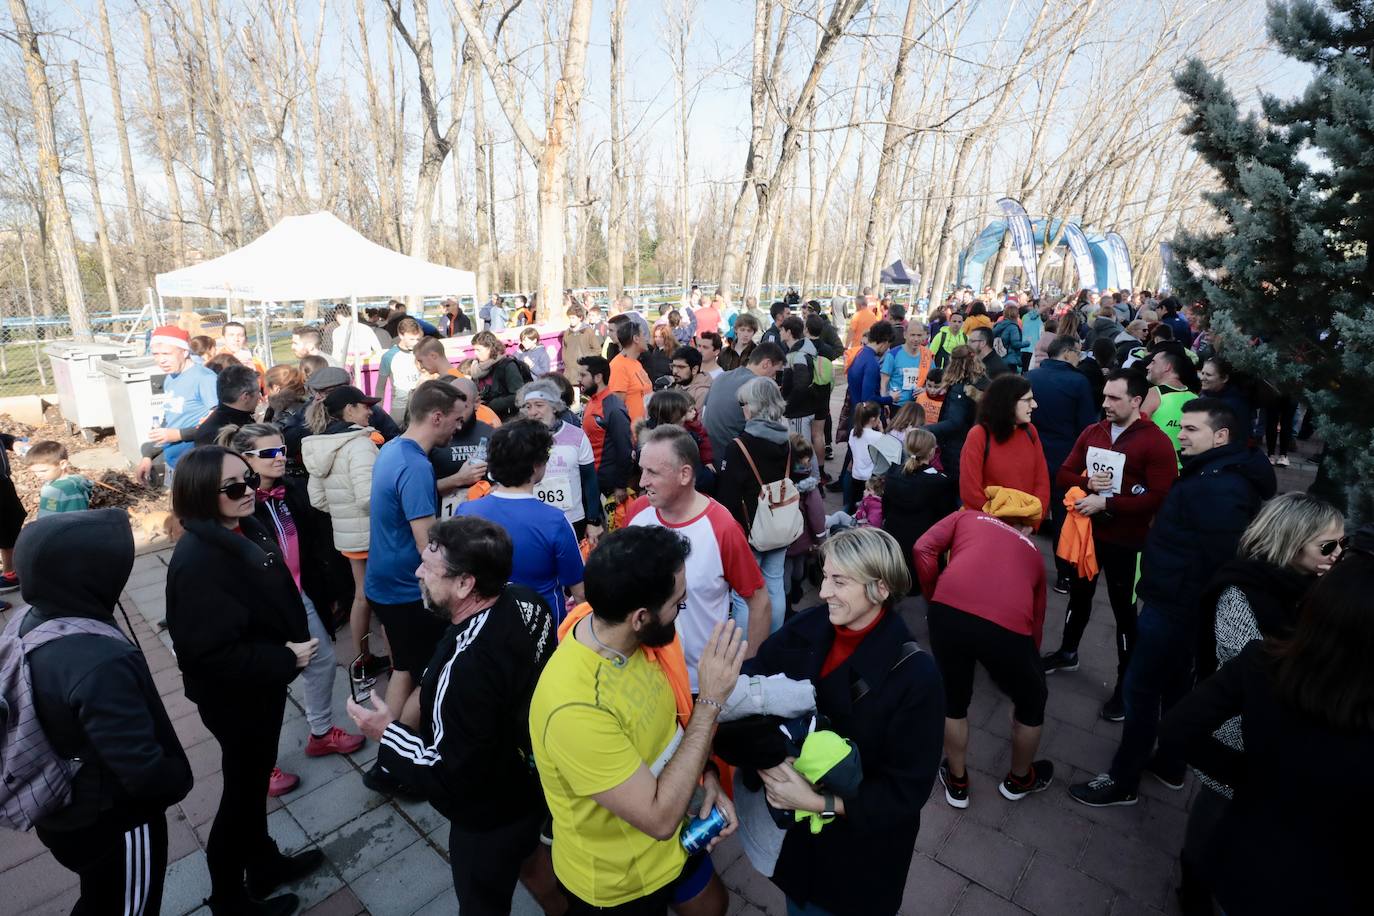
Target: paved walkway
{"type": "Point", "coordinates": [1045, 854]}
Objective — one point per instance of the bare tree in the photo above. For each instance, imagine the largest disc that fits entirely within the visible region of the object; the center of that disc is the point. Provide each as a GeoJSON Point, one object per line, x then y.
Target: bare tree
{"type": "Point", "coordinates": [615, 214]}
{"type": "Point", "coordinates": [134, 212]}
{"type": "Point", "coordinates": [102, 232]}
{"type": "Point", "coordinates": [59, 218]}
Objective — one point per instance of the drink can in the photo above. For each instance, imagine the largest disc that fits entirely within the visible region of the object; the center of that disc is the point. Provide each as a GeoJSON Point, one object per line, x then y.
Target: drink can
{"type": "Point", "coordinates": [700, 832]}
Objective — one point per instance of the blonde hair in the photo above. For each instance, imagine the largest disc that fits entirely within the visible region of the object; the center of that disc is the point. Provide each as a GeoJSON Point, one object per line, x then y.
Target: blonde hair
{"type": "Point", "coordinates": [870, 555]}
{"type": "Point", "coordinates": [920, 448]}
{"type": "Point", "coordinates": [1284, 526]}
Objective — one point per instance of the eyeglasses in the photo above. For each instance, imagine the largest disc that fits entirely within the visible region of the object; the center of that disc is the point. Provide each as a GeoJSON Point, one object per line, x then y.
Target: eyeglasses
{"type": "Point", "coordinates": [1326, 548]}
{"type": "Point", "coordinates": [241, 488]}
{"type": "Point", "coordinates": [274, 452]}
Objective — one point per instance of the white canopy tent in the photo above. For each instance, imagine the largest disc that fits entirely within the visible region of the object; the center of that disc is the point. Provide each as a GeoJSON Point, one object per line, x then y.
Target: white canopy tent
{"type": "Point", "coordinates": [317, 256]}
{"type": "Point", "coordinates": [311, 257]}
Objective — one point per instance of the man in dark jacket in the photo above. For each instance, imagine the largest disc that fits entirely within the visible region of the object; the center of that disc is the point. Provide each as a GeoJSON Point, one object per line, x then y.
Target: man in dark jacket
{"type": "Point", "coordinates": [470, 756]}
{"type": "Point", "coordinates": [1064, 406]}
{"type": "Point", "coordinates": [238, 391]}
{"type": "Point", "coordinates": [1121, 511]}
{"type": "Point", "coordinates": [96, 701]}
{"type": "Point", "coordinates": [1218, 493]}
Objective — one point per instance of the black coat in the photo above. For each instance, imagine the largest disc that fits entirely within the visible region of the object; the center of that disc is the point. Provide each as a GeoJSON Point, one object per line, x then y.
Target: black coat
{"type": "Point", "coordinates": [232, 607]}
{"type": "Point", "coordinates": [737, 489]}
{"type": "Point", "coordinates": [956, 419]}
{"type": "Point", "coordinates": [1273, 593]}
{"type": "Point", "coordinates": [1064, 406]}
{"type": "Point", "coordinates": [498, 387]}
{"type": "Point", "coordinates": [319, 563]}
{"type": "Point", "coordinates": [912, 504]}
{"type": "Point", "coordinates": [1216, 496]}
{"type": "Point", "coordinates": [858, 863]}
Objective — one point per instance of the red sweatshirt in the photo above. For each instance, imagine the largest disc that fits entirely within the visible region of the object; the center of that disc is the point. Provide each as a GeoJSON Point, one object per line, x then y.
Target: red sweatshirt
{"type": "Point", "coordinates": [1018, 463]}
{"type": "Point", "coordinates": [1151, 469]}
{"type": "Point", "coordinates": [994, 571]}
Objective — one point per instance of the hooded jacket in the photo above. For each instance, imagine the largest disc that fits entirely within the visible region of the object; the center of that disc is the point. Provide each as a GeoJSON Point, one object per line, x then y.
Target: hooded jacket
{"type": "Point", "coordinates": [736, 487]}
{"type": "Point", "coordinates": [1064, 406]}
{"type": "Point", "coordinates": [340, 461]}
{"type": "Point", "coordinates": [957, 414]}
{"type": "Point", "coordinates": [94, 695]}
{"type": "Point", "coordinates": [1199, 525]}
{"type": "Point", "coordinates": [1272, 594]}
{"type": "Point", "coordinates": [232, 607]}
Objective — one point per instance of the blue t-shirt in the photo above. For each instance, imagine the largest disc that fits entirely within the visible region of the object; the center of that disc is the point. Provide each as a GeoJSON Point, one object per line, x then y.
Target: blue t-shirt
{"type": "Point", "coordinates": [190, 396]}
{"type": "Point", "coordinates": [903, 369]}
{"type": "Point", "coordinates": [403, 490]}
{"type": "Point", "coordinates": [546, 555]}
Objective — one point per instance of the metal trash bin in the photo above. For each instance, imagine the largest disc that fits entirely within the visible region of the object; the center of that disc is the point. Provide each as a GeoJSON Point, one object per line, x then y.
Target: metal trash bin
{"type": "Point", "coordinates": [133, 387]}
{"type": "Point", "coordinates": [81, 394]}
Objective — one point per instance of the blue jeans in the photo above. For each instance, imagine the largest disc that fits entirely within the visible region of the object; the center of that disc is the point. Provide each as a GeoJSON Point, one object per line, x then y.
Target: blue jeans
{"type": "Point", "coordinates": [771, 564]}
{"type": "Point", "coordinates": [1158, 676]}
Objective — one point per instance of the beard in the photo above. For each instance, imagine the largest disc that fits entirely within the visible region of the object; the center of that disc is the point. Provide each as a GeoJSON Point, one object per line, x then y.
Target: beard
{"type": "Point", "coordinates": [656, 635]}
{"type": "Point", "coordinates": [434, 607]}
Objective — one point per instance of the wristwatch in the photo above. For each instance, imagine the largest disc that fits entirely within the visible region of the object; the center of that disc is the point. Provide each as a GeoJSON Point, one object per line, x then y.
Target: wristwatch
{"type": "Point", "coordinates": [828, 805]}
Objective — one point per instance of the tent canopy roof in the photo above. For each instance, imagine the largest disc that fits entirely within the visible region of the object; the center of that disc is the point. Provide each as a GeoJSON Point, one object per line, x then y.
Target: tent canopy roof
{"type": "Point", "coordinates": [898, 274]}
{"type": "Point", "coordinates": [316, 256]}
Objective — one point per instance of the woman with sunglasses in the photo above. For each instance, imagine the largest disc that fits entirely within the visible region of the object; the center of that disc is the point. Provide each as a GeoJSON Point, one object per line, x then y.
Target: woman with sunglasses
{"type": "Point", "coordinates": [1295, 839]}
{"type": "Point", "coordinates": [283, 508]}
{"type": "Point", "coordinates": [1293, 541]}
{"type": "Point", "coordinates": [239, 632]}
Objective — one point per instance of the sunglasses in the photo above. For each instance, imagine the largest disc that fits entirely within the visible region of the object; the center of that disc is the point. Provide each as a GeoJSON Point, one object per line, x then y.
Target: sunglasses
{"type": "Point", "coordinates": [274, 452]}
{"type": "Point", "coordinates": [1326, 548]}
{"type": "Point", "coordinates": [241, 488]}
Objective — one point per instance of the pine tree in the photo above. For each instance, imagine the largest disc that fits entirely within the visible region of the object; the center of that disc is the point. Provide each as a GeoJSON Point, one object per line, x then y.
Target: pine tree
{"type": "Point", "coordinates": [1290, 264]}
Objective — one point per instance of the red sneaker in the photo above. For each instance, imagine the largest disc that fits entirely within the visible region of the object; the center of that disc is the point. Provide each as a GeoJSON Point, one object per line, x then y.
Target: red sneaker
{"type": "Point", "coordinates": [281, 782]}
{"type": "Point", "coordinates": [334, 741]}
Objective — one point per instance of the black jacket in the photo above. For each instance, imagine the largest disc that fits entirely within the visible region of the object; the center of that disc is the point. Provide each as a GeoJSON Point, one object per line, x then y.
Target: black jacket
{"type": "Point", "coordinates": [1216, 496]}
{"type": "Point", "coordinates": [1064, 406]}
{"type": "Point", "coordinates": [498, 387]}
{"type": "Point", "coordinates": [957, 415]}
{"type": "Point", "coordinates": [94, 695]}
{"type": "Point", "coordinates": [737, 489]}
{"type": "Point", "coordinates": [1273, 593]}
{"type": "Point", "coordinates": [471, 756]}
{"type": "Point", "coordinates": [912, 504]}
{"type": "Point", "coordinates": [223, 415]}
{"type": "Point", "coordinates": [797, 383]}
{"type": "Point", "coordinates": [232, 607]}
{"type": "Point", "coordinates": [1274, 851]}
{"type": "Point", "coordinates": [315, 539]}
{"type": "Point", "coordinates": [858, 863]}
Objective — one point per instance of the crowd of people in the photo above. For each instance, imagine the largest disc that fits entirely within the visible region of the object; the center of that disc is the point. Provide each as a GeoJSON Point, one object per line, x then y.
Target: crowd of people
{"type": "Point", "coordinates": [583, 582]}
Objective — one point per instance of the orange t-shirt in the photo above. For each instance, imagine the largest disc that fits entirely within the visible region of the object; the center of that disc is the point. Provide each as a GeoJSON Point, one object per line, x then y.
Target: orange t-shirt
{"type": "Point", "coordinates": [631, 382]}
{"type": "Point", "coordinates": [863, 319]}
{"type": "Point", "coordinates": [486, 415]}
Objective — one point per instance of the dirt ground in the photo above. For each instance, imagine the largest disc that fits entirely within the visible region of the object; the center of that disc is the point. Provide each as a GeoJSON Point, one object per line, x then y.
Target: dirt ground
{"type": "Point", "coordinates": [114, 489]}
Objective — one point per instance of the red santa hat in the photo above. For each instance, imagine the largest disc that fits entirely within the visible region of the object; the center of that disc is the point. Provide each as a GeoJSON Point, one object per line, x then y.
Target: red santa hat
{"type": "Point", "coordinates": [173, 336]}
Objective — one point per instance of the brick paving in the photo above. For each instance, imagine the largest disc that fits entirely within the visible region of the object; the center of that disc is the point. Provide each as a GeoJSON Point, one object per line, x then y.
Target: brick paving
{"type": "Point", "coordinates": [1045, 854]}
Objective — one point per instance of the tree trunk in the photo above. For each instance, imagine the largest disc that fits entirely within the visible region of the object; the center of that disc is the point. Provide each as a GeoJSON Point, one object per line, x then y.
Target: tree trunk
{"type": "Point", "coordinates": [143, 274]}
{"type": "Point", "coordinates": [102, 231]}
{"type": "Point", "coordinates": [615, 215]}
{"type": "Point", "coordinates": [377, 123]}
{"type": "Point", "coordinates": [164, 144]}
{"type": "Point", "coordinates": [49, 170]}
{"type": "Point", "coordinates": [226, 207]}
{"type": "Point", "coordinates": [895, 134]}
{"type": "Point", "coordinates": [485, 270]}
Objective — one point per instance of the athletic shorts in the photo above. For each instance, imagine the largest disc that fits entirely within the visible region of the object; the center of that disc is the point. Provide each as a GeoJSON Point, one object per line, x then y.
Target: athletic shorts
{"type": "Point", "coordinates": [411, 631]}
{"type": "Point", "coordinates": [822, 393]}
{"type": "Point", "coordinates": [801, 426]}
{"type": "Point", "coordinates": [958, 640]}
{"type": "Point", "coordinates": [12, 514]}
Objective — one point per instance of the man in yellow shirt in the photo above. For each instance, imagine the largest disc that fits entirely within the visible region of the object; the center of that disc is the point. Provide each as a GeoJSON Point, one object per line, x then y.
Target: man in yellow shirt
{"type": "Point", "coordinates": [617, 769]}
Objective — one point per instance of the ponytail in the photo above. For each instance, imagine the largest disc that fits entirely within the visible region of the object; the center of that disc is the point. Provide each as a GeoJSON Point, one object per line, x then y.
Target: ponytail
{"type": "Point", "coordinates": [920, 446]}
{"type": "Point", "coordinates": [317, 416]}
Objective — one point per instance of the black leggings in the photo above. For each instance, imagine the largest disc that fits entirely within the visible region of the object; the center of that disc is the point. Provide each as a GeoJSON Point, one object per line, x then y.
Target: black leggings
{"type": "Point", "coordinates": [247, 727]}
{"type": "Point", "coordinates": [1118, 566]}
{"type": "Point", "coordinates": [1278, 425]}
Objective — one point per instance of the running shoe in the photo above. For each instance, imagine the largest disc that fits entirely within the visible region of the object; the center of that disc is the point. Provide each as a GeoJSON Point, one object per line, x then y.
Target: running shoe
{"type": "Point", "coordinates": [1061, 585]}
{"type": "Point", "coordinates": [1114, 710]}
{"type": "Point", "coordinates": [1168, 778]}
{"type": "Point", "coordinates": [1102, 792]}
{"type": "Point", "coordinates": [334, 741]}
{"type": "Point", "coordinates": [285, 870]}
{"type": "Point", "coordinates": [1038, 779]}
{"type": "Point", "coordinates": [956, 790]}
{"type": "Point", "coordinates": [1282, 462]}
{"type": "Point", "coordinates": [1059, 660]}
{"type": "Point", "coordinates": [281, 782]}
{"type": "Point", "coordinates": [9, 582]}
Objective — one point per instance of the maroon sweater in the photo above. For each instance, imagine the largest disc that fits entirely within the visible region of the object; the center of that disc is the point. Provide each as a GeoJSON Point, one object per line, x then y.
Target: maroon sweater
{"type": "Point", "coordinates": [994, 571]}
{"type": "Point", "coordinates": [1018, 463]}
{"type": "Point", "coordinates": [1151, 469]}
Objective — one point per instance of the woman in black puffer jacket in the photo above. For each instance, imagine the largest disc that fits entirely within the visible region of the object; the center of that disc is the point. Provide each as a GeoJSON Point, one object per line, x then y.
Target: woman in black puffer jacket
{"type": "Point", "coordinates": [962, 380]}
{"type": "Point", "coordinates": [239, 631]}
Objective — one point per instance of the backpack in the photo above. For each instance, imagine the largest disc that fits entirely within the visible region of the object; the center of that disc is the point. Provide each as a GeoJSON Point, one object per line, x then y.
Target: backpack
{"type": "Point", "coordinates": [823, 372]}
{"type": "Point", "coordinates": [526, 372]}
{"type": "Point", "coordinates": [36, 781]}
{"type": "Point", "coordinates": [777, 520]}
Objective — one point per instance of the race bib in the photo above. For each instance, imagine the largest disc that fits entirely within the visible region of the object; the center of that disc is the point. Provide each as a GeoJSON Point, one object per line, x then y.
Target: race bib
{"type": "Point", "coordinates": [1107, 461]}
{"type": "Point", "coordinates": [911, 377]}
{"type": "Point", "coordinates": [556, 492]}
{"type": "Point", "coordinates": [448, 506]}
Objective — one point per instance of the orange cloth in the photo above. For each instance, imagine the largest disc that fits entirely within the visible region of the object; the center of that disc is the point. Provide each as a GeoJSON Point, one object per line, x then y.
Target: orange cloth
{"type": "Point", "coordinates": [631, 382]}
{"type": "Point", "coordinates": [478, 490]}
{"type": "Point", "coordinates": [485, 414]}
{"type": "Point", "coordinates": [975, 321]}
{"type": "Point", "coordinates": [931, 406]}
{"type": "Point", "coordinates": [863, 319]}
{"type": "Point", "coordinates": [1076, 537]}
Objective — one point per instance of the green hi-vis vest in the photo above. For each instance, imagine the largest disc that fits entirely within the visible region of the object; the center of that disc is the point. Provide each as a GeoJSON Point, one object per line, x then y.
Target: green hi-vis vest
{"type": "Point", "coordinates": [1169, 416]}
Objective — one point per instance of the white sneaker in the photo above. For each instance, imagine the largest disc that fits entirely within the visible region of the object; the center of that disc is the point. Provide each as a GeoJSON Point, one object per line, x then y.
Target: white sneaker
{"type": "Point", "coordinates": [1282, 462]}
